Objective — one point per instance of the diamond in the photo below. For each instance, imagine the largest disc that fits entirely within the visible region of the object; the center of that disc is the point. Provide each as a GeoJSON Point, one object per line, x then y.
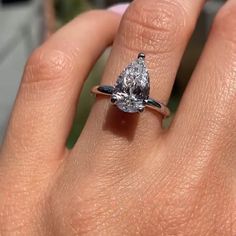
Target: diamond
{"type": "Point", "coordinates": [132, 87]}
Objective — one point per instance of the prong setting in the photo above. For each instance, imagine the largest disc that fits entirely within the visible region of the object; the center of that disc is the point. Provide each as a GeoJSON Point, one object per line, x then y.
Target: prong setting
{"type": "Point", "coordinates": [141, 55]}
{"type": "Point", "coordinates": [113, 99]}
{"type": "Point", "coordinates": [140, 110]}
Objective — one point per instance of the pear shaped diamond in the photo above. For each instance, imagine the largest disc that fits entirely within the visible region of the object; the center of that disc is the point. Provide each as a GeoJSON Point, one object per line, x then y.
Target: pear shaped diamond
{"type": "Point", "coordinates": [132, 87]}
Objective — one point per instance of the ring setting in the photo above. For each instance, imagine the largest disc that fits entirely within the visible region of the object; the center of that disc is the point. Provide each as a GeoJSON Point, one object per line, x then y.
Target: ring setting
{"type": "Point", "coordinates": [131, 90]}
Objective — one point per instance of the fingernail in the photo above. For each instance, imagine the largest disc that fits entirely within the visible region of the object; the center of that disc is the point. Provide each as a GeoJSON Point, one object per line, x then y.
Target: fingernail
{"type": "Point", "coordinates": [119, 8]}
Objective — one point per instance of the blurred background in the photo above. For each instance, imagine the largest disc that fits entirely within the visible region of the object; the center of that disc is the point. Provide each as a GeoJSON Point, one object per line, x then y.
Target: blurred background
{"type": "Point", "coordinates": [25, 24]}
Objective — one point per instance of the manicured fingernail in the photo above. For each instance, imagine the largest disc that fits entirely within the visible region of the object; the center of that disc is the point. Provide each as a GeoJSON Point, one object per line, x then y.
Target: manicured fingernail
{"type": "Point", "coordinates": [119, 8]}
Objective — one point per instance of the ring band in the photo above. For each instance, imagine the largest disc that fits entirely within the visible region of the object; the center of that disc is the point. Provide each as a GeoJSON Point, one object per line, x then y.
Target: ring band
{"type": "Point", "coordinates": [150, 103]}
{"type": "Point", "coordinates": [131, 91]}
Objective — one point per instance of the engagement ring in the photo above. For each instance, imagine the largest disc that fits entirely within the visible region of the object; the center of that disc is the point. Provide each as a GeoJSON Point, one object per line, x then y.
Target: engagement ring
{"type": "Point", "coordinates": [131, 90]}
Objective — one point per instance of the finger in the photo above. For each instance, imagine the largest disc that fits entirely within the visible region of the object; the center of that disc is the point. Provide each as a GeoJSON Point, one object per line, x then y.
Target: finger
{"type": "Point", "coordinates": [161, 30]}
{"type": "Point", "coordinates": [54, 75]}
{"type": "Point", "coordinates": [208, 108]}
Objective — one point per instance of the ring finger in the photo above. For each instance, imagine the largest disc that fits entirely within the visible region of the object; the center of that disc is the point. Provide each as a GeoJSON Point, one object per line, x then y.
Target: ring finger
{"type": "Point", "coordinates": [161, 30]}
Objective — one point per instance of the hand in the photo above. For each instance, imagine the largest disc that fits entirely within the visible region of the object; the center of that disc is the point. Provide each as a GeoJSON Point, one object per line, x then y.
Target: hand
{"type": "Point", "coordinates": [125, 175]}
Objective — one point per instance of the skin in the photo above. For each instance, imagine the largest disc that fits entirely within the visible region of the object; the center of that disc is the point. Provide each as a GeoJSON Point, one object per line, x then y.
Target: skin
{"type": "Point", "coordinates": [125, 175]}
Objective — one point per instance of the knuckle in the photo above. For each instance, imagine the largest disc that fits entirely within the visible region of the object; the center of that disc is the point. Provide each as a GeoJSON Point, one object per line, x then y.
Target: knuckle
{"type": "Point", "coordinates": [158, 25]}
{"type": "Point", "coordinates": [47, 66]}
{"type": "Point", "coordinates": [225, 23]}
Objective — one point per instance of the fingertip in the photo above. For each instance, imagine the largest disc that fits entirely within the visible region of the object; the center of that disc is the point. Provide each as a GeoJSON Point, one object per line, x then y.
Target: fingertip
{"type": "Point", "coordinates": [119, 8]}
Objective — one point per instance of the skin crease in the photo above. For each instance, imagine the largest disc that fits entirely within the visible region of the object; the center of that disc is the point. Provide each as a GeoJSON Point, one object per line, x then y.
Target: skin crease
{"type": "Point", "coordinates": [125, 175]}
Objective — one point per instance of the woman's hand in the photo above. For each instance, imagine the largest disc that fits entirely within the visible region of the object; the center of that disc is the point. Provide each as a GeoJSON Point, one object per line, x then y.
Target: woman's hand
{"type": "Point", "coordinates": [125, 175]}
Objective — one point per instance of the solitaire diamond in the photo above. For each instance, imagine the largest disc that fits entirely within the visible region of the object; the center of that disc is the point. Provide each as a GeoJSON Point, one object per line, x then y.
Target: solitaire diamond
{"type": "Point", "coordinates": [132, 87]}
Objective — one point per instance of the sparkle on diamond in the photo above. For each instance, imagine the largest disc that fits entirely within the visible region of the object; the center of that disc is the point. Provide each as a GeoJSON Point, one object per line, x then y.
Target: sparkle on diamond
{"type": "Point", "coordinates": [132, 87]}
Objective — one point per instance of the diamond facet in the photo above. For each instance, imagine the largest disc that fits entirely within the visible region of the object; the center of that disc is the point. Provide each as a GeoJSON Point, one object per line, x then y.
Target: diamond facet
{"type": "Point", "coordinates": [132, 87]}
